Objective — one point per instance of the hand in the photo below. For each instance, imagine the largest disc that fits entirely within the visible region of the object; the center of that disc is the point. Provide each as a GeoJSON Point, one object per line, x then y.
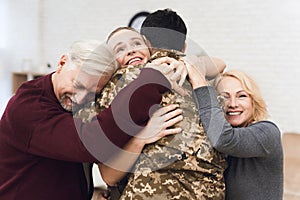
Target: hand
{"type": "Point", "coordinates": [174, 70]}
{"type": "Point", "coordinates": [114, 169]}
{"type": "Point", "coordinates": [178, 67]}
{"type": "Point", "coordinates": [209, 67]}
{"type": "Point", "coordinates": [196, 61]}
{"type": "Point", "coordinates": [157, 127]}
{"type": "Point", "coordinates": [196, 73]}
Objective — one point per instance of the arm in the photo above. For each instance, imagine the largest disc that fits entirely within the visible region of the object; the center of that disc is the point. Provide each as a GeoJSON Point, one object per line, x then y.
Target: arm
{"type": "Point", "coordinates": [256, 140]}
{"type": "Point", "coordinates": [55, 134]}
{"type": "Point", "coordinates": [211, 67]}
{"type": "Point", "coordinates": [260, 139]}
{"type": "Point", "coordinates": [118, 166]}
{"type": "Point", "coordinates": [213, 70]}
{"type": "Point", "coordinates": [127, 115]}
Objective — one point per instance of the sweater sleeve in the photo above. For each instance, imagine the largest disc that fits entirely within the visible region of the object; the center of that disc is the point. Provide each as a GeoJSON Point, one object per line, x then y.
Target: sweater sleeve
{"type": "Point", "coordinates": [127, 115]}
{"type": "Point", "coordinates": [129, 111]}
{"type": "Point", "coordinates": [49, 131]}
{"type": "Point", "coordinates": [257, 140]}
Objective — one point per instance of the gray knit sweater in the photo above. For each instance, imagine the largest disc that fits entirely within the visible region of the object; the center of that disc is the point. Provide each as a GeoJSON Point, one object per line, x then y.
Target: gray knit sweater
{"type": "Point", "coordinates": [255, 156]}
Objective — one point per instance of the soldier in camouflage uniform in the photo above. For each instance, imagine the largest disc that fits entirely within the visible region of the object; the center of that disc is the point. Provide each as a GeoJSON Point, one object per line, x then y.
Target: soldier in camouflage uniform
{"type": "Point", "coordinates": [176, 167]}
{"type": "Point", "coordinates": [182, 166]}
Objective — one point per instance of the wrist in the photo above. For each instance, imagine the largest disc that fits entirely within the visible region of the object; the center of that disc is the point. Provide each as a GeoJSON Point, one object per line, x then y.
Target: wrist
{"type": "Point", "coordinates": [199, 82]}
{"type": "Point", "coordinates": [135, 145]}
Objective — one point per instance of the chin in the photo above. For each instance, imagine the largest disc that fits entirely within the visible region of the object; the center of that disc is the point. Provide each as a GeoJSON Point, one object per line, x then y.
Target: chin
{"type": "Point", "coordinates": [234, 123]}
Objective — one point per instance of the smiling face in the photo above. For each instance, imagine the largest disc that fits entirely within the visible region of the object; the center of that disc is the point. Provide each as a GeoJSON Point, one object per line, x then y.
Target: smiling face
{"type": "Point", "coordinates": [238, 104]}
{"type": "Point", "coordinates": [129, 48]}
{"type": "Point", "coordinates": [73, 87]}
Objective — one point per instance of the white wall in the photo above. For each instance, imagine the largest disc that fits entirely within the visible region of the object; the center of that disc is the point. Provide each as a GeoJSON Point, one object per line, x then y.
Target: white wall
{"type": "Point", "coordinates": [19, 37]}
{"type": "Point", "coordinates": [5, 86]}
{"type": "Point", "coordinates": [260, 37]}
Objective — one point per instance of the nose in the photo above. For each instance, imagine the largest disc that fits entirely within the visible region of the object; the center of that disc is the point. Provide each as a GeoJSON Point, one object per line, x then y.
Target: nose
{"type": "Point", "coordinates": [131, 51]}
{"type": "Point", "coordinates": [232, 102]}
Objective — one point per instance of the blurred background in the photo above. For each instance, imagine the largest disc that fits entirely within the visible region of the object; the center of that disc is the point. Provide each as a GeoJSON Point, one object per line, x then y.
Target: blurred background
{"type": "Point", "coordinates": [259, 37]}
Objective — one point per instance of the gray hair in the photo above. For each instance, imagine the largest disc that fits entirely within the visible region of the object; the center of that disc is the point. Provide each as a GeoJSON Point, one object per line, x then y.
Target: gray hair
{"type": "Point", "coordinates": [93, 57]}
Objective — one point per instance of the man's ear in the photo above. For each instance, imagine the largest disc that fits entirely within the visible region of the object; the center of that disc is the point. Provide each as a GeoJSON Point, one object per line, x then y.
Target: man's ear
{"type": "Point", "coordinates": [62, 61]}
{"type": "Point", "coordinates": [184, 47]}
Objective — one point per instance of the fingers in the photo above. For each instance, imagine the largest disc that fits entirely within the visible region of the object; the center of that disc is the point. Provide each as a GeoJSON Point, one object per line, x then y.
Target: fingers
{"type": "Point", "coordinates": [171, 131]}
{"type": "Point", "coordinates": [167, 113]}
{"type": "Point", "coordinates": [178, 89]}
{"type": "Point", "coordinates": [170, 115]}
{"type": "Point", "coordinates": [174, 72]}
{"type": "Point", "coordinates": [178, 68]}
{"type": "Point", "coordinates": [174, 65]}
{"type": "Point", "coordinates": [183, 75]}
{"type": "Point", "coordinates": [165, 109]}
{"type": "Point", "coordinates": [173, 121]}
{"type": "Point", "coordinates": [159, 123]}
{"type": "Point", "coordinates": [159, 61]}
{"type": "Point", "coordinates": [163, 68]}
{"type": "Point", "coordinates": [196, 73]}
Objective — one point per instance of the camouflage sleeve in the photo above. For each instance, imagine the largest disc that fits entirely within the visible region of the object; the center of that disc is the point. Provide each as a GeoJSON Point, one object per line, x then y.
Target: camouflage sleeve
{"type": "Point", "coordinates": [129, 111]}
{"type": "Point", "coordinates": [120, 79]}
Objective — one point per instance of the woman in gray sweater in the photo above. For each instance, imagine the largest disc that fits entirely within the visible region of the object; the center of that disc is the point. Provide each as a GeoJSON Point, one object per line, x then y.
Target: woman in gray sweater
{"type": "Point", "coordinates": [252, 144]}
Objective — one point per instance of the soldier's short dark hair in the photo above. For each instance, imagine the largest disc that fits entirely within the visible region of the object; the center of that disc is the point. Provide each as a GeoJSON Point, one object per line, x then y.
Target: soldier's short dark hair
{"type": "Point", "coordinates": [165, 29]}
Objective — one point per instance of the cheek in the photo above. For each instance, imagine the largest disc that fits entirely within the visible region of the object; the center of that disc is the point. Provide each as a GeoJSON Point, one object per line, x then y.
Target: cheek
{"type": "Point", "coordinates": [66, 89]}
{"type": "Point", "coordinates": [120, 60]}
{"type": "Point", "coordinates": [249, 106]}
{"type": "Point", "coordinates": [146, 52]}
{"type": "Point", "coordinates": [249, 110]}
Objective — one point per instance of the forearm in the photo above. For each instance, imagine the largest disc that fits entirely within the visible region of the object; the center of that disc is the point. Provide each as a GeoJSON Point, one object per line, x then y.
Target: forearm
{"type": "Point", "coordinates": [217, 68]}
{"type": "Point", "coordinates": [128, 114]}
{"type": "Point", "coordinates": [213, 66]}
{"type": "Point", "coordinates": [207, 66]}
{"type": "Point", "coordinates": [211, 114]}
{"type": "Point", "coordinates": [256, 140]}
{"type": "Point", "coordinates": [119, 165]}
{"type": "Point", "coordinates": [129, 111]}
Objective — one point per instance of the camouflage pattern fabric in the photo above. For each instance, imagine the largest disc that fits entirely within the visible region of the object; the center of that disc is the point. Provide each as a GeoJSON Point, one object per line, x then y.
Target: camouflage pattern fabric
{"type": "Point", "coordinates": [181, 166]}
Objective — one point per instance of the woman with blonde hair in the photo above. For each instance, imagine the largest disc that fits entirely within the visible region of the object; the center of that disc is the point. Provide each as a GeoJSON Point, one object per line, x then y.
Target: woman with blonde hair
{"type": "Point", "coordinates": [251, 88]}
{"type": "Point", "coordinates": [240, 129]}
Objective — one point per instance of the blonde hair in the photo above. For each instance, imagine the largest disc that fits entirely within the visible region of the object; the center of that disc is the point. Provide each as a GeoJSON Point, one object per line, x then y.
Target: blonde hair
{"type": "Point", "coordinates": [93, 57]}
{"type": "Point", "coordinates": [252, 89]}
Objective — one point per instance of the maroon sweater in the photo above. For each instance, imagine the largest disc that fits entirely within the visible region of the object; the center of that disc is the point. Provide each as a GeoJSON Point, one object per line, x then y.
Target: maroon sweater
{"type": "Point", "coordinates": [42, 146]}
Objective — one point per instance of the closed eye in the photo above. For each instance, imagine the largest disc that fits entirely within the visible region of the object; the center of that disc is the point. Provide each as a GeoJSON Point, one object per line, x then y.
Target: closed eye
{"type": "Point", "coordinates": [137, 43]}
{"type": "Point", "coordinates": [119, 49]}
{"type": "Point", "coordinates": [78, 85]}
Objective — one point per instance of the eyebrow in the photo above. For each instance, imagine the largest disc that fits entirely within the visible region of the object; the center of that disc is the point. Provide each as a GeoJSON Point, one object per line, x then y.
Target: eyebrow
{"type": "Point", "coordinates": [134, 38]}
{"type": "Point", "coordinates": [242, 91]}
{"type": "Point", "coordinates": [131, 39]}
{"type": "Point", "coordinates": [235, 92]}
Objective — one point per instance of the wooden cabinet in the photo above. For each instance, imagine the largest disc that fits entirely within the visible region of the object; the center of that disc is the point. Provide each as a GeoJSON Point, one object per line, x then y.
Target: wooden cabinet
{"type": "Point", "coordinates": [19, 77]}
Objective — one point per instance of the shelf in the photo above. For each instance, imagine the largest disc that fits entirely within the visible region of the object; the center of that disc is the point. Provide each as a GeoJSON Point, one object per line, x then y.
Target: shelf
{"type": "Point", "coordinates": [20, 77]}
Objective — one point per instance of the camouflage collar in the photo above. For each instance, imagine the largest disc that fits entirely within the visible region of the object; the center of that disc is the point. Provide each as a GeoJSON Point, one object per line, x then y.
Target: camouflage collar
{"type": "Point", "coordinates": [166, 53]}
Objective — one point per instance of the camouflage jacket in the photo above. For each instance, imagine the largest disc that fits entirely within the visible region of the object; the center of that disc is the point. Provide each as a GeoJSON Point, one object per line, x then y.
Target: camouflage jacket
{"type": "Point", "coordinates": [181, 166]}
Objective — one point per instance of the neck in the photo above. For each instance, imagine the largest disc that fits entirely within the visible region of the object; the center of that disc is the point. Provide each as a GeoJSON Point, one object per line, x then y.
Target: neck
{"type": "Point", "coordinates": [53, 80]}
